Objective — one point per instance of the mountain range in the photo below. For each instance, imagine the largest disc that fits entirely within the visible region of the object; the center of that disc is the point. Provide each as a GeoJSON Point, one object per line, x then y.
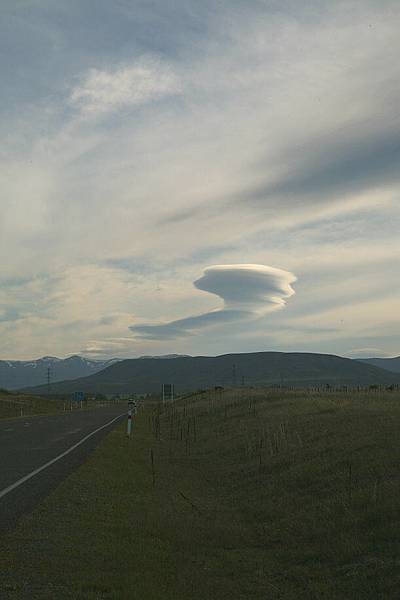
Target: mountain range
{"type": "Point", "coordinates": [188, 373]}
{"type": "Point", "coordinates": [16, 374]}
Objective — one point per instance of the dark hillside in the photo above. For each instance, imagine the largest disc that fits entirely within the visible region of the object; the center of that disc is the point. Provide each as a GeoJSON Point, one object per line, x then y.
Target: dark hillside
{"type": "Point", "coordinates": [230, 370]}
{"type": "Point", "coordinates": [390, 364]}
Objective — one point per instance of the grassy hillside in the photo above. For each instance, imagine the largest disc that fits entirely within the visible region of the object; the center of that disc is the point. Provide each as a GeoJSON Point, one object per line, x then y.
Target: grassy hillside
{"type": "Point", "coordinates": [244, 495]}
{"type": "Point", "coordinates": [257, 369]}
{"type": "Point", "coordinates": [16, 405]}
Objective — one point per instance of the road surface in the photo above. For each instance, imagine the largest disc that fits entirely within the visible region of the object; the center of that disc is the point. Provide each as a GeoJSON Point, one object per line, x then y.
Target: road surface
{"type": "Point", "coordinates": [28, 444]}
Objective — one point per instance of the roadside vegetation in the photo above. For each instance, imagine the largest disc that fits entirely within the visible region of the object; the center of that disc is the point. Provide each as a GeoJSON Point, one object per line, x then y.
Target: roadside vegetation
{"type": "Point", "coordinates": [245, 494]}
{"type": "Point", "coordinates": [14, 404]}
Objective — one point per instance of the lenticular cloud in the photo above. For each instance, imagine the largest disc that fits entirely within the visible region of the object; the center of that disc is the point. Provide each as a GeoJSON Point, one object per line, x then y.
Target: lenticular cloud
{"type": "Point", "coordinates": [247, 291]}
{"type": "Point", "coordinates": [250, 287]}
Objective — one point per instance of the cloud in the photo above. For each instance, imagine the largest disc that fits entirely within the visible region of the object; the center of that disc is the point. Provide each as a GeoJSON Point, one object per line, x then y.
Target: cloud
{"type": "Point", "coordinates": [139, 138]}
{"type": "Point", "coordinates": [257, 286]}
{"type": "Point", "coordinates": [115, 347]}
{"type": "Point", "coordinates": [183, 327]}
{"type": "Point", "coordinates": [367, 353]}
{"type": "Point", "coordinates": [145, 80]}
{"type": "Point", "coordinates": [335, 167]}
{"type": "Point", "coordinates": [247, 291]}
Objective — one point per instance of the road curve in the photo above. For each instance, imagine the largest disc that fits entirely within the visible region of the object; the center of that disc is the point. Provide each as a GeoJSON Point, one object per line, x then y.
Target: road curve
{"type": "Point", "coordinates": [28, 444]}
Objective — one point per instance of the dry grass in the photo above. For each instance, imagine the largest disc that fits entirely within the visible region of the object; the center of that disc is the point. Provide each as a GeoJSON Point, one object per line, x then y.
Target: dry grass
{"type": "Point", "coordinates": [13, 404]}
{"type": "Point", "coordinates": [245, 495]}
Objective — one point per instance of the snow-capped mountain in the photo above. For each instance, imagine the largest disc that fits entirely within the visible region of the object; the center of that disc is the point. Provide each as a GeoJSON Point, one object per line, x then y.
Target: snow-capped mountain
{"type": "Point", "coordinates": [15, 374]}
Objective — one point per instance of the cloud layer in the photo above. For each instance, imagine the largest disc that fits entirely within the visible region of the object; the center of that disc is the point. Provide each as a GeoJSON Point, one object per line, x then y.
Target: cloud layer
{"type": "Point", "coordinates": [144, 140]}
{"type": "Point", "coordinates": [247, 291]}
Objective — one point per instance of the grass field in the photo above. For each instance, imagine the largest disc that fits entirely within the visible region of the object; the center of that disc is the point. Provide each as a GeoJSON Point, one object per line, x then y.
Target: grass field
{"type": "Point", "coordinates": [13, 404]}
{"type": "Point", "coordinates": [248, 494]}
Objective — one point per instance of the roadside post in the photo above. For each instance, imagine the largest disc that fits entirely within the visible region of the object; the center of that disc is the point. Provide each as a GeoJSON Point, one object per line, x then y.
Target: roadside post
{"type": "Point", "coordinates": [130, 410]}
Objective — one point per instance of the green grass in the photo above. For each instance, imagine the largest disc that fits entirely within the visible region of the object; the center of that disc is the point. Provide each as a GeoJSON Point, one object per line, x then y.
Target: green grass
{"type": "Point", "coordinates": [252, 495]}
{"type": "Point", "coordinates": [14, 404]}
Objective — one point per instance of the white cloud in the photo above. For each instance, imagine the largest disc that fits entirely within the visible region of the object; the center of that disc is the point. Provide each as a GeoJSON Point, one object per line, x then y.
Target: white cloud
{"type": "Point", "coordinates": [145, 80]}
{"type": "Point", "coordinates": [247, 291]}
{"type": "Point", "coordinates": [258, 288]}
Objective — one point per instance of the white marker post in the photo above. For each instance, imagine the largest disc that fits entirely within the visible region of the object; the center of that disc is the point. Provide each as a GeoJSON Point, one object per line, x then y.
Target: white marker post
{"type": "Point", "coordinates": [130, 407]}
{"type": "Point", "coordinates": [167, 391]}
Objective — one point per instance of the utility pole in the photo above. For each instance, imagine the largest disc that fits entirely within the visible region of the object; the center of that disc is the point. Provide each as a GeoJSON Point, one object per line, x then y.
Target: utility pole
{"type": "Point", "coordinates": [48, 380]}
{"type": "Point", "coordinates": [233, 375]}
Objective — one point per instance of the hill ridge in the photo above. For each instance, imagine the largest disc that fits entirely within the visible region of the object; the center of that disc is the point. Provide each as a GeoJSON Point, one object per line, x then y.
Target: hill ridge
{"type": "Point", "coordinates": [294, 369]}
{"type": "Point", "coordinates": [390, 364]}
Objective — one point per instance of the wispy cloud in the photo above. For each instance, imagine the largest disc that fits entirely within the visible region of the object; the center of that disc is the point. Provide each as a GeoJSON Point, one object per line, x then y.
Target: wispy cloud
{"type": "Point", "coordinates": [336, 166]}
{"type": "Point", "coordinates": [144, 80]}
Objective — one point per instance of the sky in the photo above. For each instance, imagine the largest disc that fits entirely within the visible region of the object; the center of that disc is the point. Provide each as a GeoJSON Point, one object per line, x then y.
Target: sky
{"type": "Point", "coordinates": [199, 177]}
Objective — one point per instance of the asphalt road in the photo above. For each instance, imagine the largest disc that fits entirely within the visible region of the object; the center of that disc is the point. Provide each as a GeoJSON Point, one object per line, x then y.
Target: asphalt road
{"type": "Point", "coordinates": [27, 444]}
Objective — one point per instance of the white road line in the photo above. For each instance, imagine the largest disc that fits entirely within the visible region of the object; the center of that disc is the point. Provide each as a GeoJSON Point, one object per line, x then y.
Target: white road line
{"type": "Point", "coordinates": [9, 489]}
